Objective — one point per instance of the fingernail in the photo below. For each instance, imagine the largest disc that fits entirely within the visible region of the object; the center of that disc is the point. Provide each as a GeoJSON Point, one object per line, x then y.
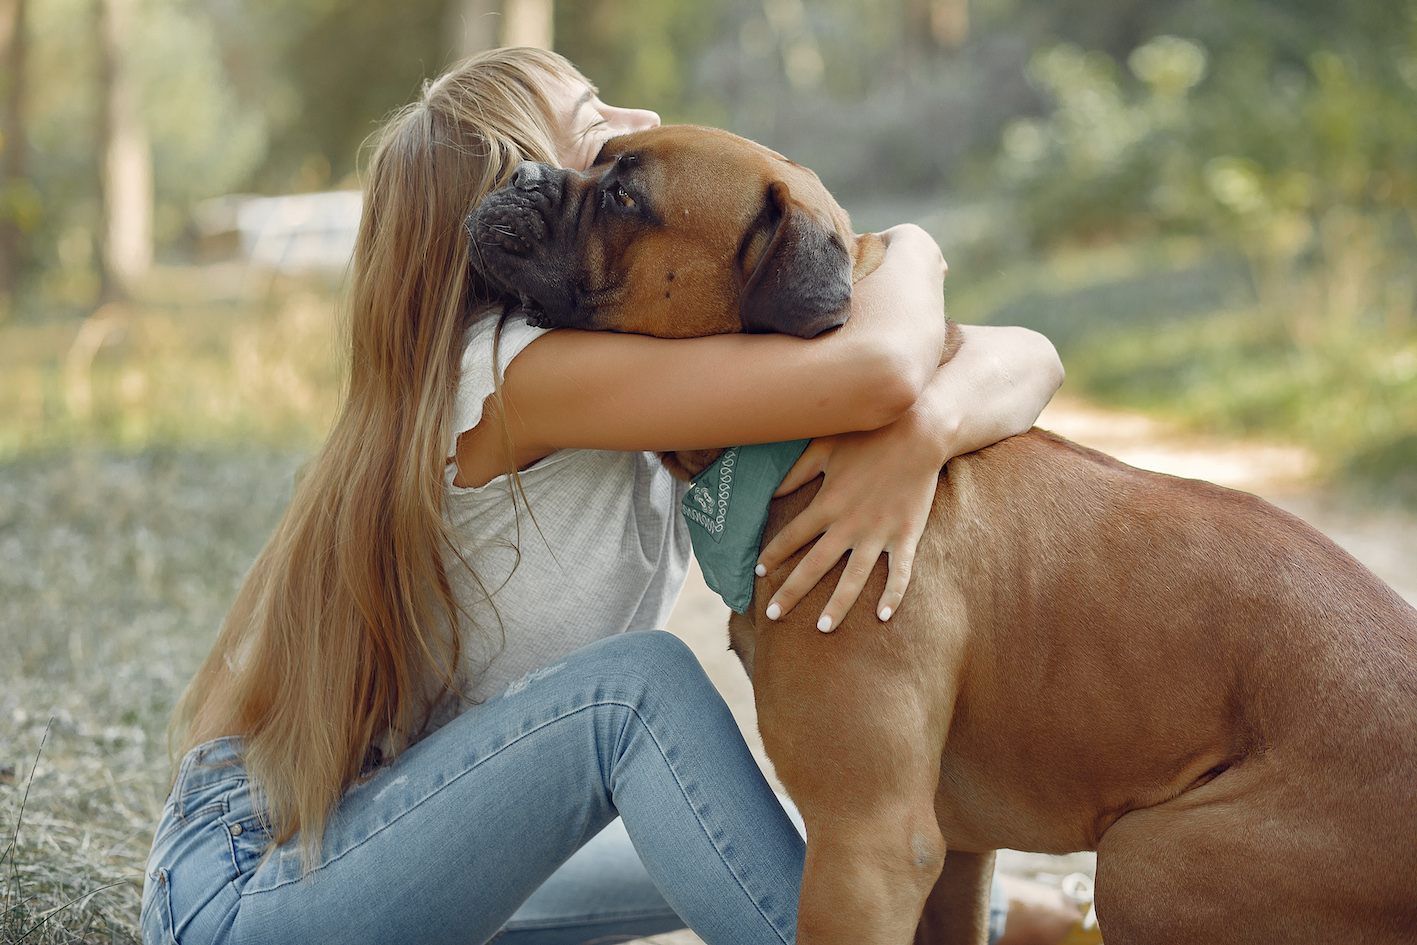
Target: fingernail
{"type": "Point", "coordinates": [773, 611]}
{"type": "Point", "coordinates": [885, 613]}
{"type": "Point", "coordinates": [825, 624]}
{"type": "Point", "coordinates": [760, 571]}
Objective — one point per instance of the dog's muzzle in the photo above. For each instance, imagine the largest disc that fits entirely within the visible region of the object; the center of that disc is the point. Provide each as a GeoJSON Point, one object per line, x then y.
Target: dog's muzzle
{"type": "Point", "coordinates": [517, 218]}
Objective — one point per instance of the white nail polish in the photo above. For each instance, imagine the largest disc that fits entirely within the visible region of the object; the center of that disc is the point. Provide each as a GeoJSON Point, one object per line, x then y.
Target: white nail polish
{"type": "Point", "coordinates": [760, 571]}
{"type": "Point", "coordinates": [774, 611]}
{"type": "Point", "coordinates": [885, 613]}
{"type": "Point", "coordinates": [825, 624]}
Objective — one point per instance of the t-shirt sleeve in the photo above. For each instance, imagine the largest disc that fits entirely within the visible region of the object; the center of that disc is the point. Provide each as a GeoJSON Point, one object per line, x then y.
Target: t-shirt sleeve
{"type": "Point", "coordinates": [476, 383]}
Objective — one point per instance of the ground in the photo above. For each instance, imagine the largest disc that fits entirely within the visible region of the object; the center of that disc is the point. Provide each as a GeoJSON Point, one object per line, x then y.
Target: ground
{"type": "Point", "coordinates": [115, 571]}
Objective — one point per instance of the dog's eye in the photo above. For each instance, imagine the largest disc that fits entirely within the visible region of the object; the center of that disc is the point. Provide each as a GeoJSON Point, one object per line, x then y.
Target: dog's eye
{"type": "Point", "coordinates": [623, 198]}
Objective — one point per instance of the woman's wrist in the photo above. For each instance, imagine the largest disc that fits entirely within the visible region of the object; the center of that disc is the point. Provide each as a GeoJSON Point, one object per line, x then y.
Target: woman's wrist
{"type": "Point", "coordinates": [898, 319]}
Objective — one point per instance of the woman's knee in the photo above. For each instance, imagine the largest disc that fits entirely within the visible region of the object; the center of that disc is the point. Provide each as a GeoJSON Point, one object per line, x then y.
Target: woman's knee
{"type": "Point", "coordinates": [655, 654]}
{"type": "Point", "coordinates": [644, 664]}
{"type": "Point", "coordinates": [659, 648]}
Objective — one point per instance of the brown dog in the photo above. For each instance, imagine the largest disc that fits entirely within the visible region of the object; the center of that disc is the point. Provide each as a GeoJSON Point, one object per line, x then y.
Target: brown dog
{"type": "Point", "coordinates": [1197, 685]}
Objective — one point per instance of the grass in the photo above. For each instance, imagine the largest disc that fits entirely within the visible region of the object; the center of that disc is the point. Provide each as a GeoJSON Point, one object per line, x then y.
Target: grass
{"type": "Point", "coordinates": [146, 453]}
{"type": "Point", "coordinates": [187, 365]}
{"type": "Point", "coordinates": [22, 915]}
{"type": "Point", "coordinates": [115, 571]}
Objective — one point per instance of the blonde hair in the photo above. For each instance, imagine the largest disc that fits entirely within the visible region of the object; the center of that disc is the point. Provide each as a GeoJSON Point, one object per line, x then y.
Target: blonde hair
{"type": "Point", "coordinates": [347, 619]}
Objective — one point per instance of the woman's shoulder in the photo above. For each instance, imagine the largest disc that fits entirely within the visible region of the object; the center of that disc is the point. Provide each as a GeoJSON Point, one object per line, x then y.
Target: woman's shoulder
{"type": "Point", "coordinates": [500, 330]}
{"type": "Point", "coordinates": [496, 334]}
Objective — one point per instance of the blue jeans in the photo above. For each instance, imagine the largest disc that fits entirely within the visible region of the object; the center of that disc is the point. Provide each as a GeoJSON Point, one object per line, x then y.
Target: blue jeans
{"type": "Point", "coordinates": [473, 833]}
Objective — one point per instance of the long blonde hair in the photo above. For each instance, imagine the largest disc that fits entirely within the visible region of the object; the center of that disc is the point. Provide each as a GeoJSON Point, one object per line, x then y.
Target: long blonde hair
{"type": "Point", "coordinates": [347, 617]}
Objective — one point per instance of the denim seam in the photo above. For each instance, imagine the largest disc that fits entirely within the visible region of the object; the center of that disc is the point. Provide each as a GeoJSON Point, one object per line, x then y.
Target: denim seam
{"type": "Point", "coordinates": [713, 842]}
{"type": "Point", "coordinates": [698, 817]}
{"type": "Point", "coordinates": [189, 789]}
{"type": "Point", "coordinates": [181, 820]}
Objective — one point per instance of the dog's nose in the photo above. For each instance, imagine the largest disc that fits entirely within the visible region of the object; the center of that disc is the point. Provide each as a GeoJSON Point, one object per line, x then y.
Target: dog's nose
{"type": "Point", "coordinates": [528, 175]}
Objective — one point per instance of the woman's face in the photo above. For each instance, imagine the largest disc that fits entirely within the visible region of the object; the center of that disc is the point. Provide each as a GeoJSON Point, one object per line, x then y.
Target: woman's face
{"type": "Point", "coordinates": [585, 122]}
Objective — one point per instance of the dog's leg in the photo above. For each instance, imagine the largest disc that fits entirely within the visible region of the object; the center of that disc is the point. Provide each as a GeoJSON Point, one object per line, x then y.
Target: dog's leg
{"type": "Point", "coordinates": [957, 911]}
{"type": "Point", "coordinates": [1262, 855]}
{"type": "Point", "coordinates": [852, 722]}
{"type": "Point", "coordinates": [872, 856]}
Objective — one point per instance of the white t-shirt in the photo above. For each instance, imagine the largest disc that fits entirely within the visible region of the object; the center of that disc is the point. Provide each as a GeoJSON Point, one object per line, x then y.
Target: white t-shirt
{"type": "Point", "coordinates": [598, 547]}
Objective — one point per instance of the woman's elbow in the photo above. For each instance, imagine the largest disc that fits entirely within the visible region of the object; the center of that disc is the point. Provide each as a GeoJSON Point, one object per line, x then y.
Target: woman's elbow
{"type": "Point", "coordinates": [1050, 369]}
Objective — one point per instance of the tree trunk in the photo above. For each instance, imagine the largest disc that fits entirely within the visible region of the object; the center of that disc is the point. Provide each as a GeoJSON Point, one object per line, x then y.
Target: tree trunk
{"type": "Point", "coordinates": [527, 23]}
{"type": "Point", "coordinates": [949, 22]}
{"type": "Point", "coordinates": [482, 24]}
{"type": "Point", "coordinates": [13, 49]}
{"type": "Point", "coordinates": [475, 25]}
{"type": "Point", "coordinates": [935, 25]}
{"type": "Point", "coordinates": [127, 172]}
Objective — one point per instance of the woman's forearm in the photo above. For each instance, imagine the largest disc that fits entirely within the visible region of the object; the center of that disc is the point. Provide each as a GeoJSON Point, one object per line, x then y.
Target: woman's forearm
{"type": "Point", "coordinates": [994, 387]}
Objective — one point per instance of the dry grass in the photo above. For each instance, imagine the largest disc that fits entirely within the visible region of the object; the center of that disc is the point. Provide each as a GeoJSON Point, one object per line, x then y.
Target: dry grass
{"type": "Point", "coordinates": [188, 364]}
{"type": "Point", "coordinates": [126, 521]}
{"type": "Point", "coordinates": [114, 575]}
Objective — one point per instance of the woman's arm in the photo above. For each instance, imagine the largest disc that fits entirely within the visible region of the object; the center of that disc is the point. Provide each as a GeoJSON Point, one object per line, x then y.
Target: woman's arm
{"type": "Point", "coordinates": [601, 390]}
{"type": "Point", "coordinates": [879, 485]}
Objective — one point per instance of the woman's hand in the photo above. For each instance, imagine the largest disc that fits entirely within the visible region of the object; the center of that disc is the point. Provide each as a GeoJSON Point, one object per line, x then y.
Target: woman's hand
{"type": "Point", "coordinates": [876, 494]}
{"type": "Point", "coordinates": [878, 486]}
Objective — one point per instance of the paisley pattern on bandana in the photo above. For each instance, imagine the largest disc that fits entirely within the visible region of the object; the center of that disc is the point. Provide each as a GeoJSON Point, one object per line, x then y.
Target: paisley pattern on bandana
{"type": "Point", "coordinates": [727, 508]}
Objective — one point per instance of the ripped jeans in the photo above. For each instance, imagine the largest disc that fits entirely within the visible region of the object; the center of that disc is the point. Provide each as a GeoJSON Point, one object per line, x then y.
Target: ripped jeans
{"type": "Point", "coordinates": [472, 834]}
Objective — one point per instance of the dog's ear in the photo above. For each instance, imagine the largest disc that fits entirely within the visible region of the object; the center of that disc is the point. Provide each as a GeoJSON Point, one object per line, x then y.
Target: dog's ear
{"type": "Point", "coordinates": [798, 274]}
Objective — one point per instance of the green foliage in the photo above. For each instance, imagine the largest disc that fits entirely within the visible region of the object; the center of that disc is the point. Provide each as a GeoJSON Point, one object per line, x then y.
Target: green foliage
{"type": "Point", "coordinates": [1295, 152]}
{"type": "Point", "coordinates": [344, 65]}
{"type": "Point", "coordinates": [206, 139]}
{"type": "Point", "coordinates": [641, 52]}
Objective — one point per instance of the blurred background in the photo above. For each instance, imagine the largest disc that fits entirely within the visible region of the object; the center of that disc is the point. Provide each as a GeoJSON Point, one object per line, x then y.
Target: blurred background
{"type": "Point", "coordinates": [1210, 206]}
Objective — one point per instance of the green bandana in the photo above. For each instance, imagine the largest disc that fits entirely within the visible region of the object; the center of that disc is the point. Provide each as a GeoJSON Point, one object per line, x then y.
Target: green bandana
{"type": "Point", "coordinates": [727, 508]}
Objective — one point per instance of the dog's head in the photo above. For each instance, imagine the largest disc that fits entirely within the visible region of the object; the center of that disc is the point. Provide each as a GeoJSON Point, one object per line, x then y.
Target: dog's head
{"type": "Point", "coordinates": [677, 232]}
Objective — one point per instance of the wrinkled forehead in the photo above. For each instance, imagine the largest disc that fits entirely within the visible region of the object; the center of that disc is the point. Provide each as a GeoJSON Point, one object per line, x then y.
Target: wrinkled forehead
{"type": "Point", "coordinates": [710, 161]}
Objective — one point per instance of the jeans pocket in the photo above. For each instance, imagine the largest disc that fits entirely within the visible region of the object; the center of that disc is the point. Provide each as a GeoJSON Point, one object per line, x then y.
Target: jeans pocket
{"type": "Point", "coordinates": [156, 917]}
{"type": "Point", "coordinates": [249, 833]}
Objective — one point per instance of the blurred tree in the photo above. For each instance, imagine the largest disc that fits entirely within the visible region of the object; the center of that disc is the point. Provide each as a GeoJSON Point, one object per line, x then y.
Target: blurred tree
{"type": "Point", "coordinates": [642, 53]}
{"type": "Point", "coordinates": [204, 105]}
{"type": "Point", "coordinates": [933, 25]}
{"type": "Point", "coordinates": [348, 65]}
{"type": "Point", "coordinates": [126, 184]}
{"type": "Point", "coordinates": [14, 184]}
{"type": "Point", "coordinates": [527, 23]}
{"type": "Point", "coordinates": [474, 25]}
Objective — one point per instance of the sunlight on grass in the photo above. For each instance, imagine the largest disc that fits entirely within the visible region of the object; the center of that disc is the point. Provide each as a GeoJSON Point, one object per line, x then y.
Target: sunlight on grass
{"type": "Point", "coordinates": [1188, 337]}
{"type": "Point", "coordinates": [173, 370]}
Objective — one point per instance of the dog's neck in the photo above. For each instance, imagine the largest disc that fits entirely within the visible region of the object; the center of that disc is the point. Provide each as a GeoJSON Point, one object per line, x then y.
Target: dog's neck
{"type": "Point", "coordinates": [686, 464]}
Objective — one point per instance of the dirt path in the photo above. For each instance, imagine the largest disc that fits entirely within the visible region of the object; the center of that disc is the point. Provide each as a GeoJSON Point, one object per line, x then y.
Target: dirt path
{"type": "Point", "coordinates": [1386, 543]}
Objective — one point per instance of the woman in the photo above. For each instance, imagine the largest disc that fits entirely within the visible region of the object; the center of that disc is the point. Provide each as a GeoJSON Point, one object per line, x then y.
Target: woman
{"type": "Point", "coordinates": [422, 702]}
